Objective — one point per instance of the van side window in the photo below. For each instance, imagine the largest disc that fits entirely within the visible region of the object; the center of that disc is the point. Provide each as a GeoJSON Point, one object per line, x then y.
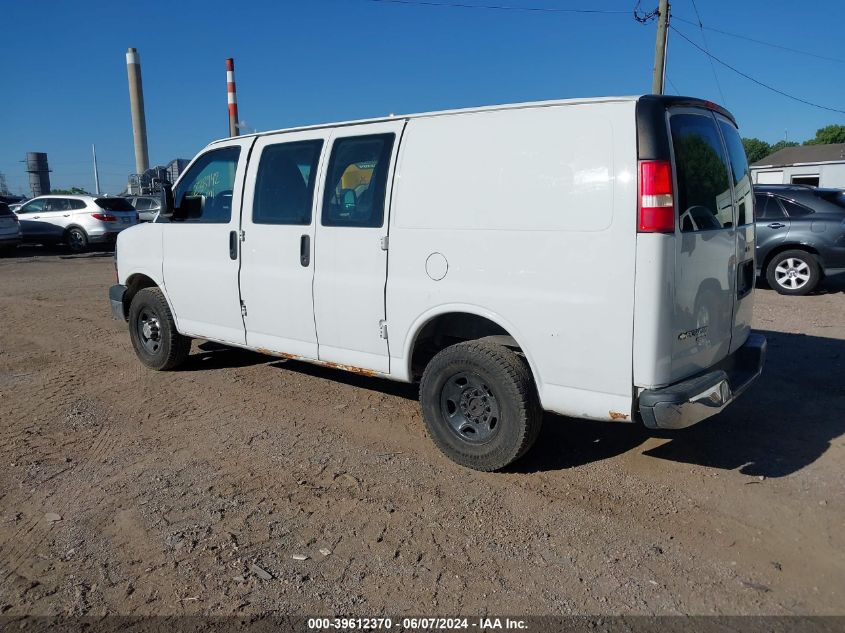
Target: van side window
{"type": "Point", "coordinates": [76, 205]}
{"type": "Point", "coordinates": [205, 193]}
{"type": "Point", "coordinates": [741, 174]}
{"type": "Point", "coordinates": [357, 181]}
{"type": "Point", "coordinates": [284, 186]}
{"type": "Point", "coordinates": [704, 191]}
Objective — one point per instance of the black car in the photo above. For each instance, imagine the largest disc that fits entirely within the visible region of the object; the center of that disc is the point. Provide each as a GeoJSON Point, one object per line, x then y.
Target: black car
{"type": "Point", "coordinates": [800, 235]}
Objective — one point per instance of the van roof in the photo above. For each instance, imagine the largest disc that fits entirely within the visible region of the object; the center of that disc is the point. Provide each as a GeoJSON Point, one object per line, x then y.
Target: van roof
{"type": "Point", "coordinates": [420, 115]}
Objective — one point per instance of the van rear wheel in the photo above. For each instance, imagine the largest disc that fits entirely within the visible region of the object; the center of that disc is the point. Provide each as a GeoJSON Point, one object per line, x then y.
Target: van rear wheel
{"type": "Point", "coordinates": [480, 405]}
{"type": "Point", "coordinates": [153, 331]}
{"type": "Point", "coordinates": [793, 272]}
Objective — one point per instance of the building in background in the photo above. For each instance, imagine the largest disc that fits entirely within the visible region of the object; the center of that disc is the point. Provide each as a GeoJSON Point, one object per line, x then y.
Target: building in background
{"type": "Point", "coordinates": [816, 165]}
{"type": "Point", "coordinates": [152, 179]}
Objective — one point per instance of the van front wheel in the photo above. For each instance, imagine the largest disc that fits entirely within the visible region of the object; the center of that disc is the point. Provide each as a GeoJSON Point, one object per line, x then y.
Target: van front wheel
{"type": "Point", "coordinates": [153, 331]}
{"type": "Point", "coordinates": [480, 405]}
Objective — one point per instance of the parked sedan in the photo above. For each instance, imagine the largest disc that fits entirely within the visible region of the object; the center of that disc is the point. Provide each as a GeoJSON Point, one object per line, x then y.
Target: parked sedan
{"type": "Point", "coordinates": [10, 229]}
{"type": "Point", "coordinates": [800, 236]}
{"type": "Point", "coordinates": [75, 220]}
{"type": "Point", "coordinates": [146, 206]}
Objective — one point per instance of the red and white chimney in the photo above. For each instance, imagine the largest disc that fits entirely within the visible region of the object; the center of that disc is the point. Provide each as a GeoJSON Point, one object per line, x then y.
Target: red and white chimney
{"type": "Point", "coordinates": [232, 97]}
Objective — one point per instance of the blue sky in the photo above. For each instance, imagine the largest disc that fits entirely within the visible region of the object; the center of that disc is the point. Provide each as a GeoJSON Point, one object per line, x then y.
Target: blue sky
{"type": "Point", "coordinates": [309, 61]}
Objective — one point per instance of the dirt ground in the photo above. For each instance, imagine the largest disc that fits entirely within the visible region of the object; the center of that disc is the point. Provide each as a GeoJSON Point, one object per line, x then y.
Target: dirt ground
{"type": "Point", "coordinates": [125, 491]}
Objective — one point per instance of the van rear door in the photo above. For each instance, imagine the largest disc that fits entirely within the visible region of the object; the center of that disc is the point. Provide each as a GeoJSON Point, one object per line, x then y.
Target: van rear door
{"type": "Point", "coordinates": [706, 243]}
{"type": "Point", "coordinates": [746, 244]}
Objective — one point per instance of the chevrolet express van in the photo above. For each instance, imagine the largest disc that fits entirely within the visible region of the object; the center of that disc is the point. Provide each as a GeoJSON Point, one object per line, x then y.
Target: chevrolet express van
{"type": "Point", "coordinates": [590, 257]}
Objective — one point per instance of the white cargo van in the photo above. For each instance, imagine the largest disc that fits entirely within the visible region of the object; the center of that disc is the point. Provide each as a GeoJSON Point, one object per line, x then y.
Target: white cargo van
{"type": "Point", "coordinates": [590, 257]}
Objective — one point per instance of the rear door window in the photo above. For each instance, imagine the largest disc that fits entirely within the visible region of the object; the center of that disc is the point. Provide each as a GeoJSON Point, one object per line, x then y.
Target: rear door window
{"type": "Point", "coordinates": [768, 208]}
{"type": "Point", "coordinates": [741, 174]}
{"type": "Point", "coordinates": [704, 190]}
{"type": "Point", "coordinates": [57, 204]}
{"type": "Point", "coordinates": [76, 205]}
{"type": "Point", "coordinates": [114, 204]}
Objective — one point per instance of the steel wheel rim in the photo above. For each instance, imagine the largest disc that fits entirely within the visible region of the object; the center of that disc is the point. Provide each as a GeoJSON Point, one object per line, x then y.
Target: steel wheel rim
{"type": "Point", "coordinates": [149, 330]}
{"type": "Point", "coordinates": [470, 408]}
{"type": "Point", "coordinates": [792, 273]}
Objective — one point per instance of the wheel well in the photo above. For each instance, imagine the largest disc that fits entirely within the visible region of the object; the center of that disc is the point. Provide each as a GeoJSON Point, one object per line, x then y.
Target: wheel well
{"type": "Point", "coordinates": [74, 226]}
{"type": "Point", "coordinates": [447, 329]}
{"type": "Point", "coordinates": [134, 284]}
{"type": "Point", "coordinates": [785, 247]}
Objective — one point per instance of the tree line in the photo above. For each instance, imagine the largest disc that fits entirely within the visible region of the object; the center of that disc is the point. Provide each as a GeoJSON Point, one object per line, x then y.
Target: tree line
{"type": "Point", "coordinates": [757, 149]}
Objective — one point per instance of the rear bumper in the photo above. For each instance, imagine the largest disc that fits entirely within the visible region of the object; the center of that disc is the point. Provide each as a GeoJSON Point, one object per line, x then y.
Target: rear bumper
{"type": "Point", "coordinates": [692, 400]}
{"type": "Point", "coordinates": [116, 293]}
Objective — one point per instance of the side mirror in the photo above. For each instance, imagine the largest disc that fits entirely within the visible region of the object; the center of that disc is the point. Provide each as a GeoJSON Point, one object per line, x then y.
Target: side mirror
{"type": "Point", "coordinates": [166, 201]}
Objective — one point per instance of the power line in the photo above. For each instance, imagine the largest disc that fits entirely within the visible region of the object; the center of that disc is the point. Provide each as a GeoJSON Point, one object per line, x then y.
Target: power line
{"type": "Point", "coordinates": [756, 41]}
{"type": "Point", "coordinates": [756, 81]}
{"type": "Point", "coordinates": [495, 7]}
{"type": "Point", "coordinates": [674, 87]}
{"type": "Point", "coordinates": [707, 48]}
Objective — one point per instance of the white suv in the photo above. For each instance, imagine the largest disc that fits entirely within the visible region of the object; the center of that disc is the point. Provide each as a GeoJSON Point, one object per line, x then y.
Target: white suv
{"type": "Point", "coordinates": [75, 220]}
{"type": "Point", "coordinates": [512, 259]}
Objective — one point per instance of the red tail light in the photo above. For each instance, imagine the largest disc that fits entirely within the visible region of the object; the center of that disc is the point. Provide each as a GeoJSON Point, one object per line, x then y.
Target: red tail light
{"type": "Point", "coordinates": [657, 204]}
{"type": "Point", "coordinates": [104, 217]}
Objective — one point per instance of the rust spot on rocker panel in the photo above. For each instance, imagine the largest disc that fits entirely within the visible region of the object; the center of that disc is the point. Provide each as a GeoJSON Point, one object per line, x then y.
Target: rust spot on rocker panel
{"type": "Point", "coordinates": [615, 415]}
{"type": "Point", "coordinates": [349, 368]}
{"type": "Point", "coordinates": [268, 352]}
{"type": "Point", "coordinates": [352, 368]}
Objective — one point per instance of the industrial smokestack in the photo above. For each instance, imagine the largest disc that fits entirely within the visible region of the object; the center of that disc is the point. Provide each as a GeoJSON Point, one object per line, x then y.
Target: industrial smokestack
{"type": "Point", "coordinates": [136, 102]}
{"type": "Point", "coordinates": [39, 173]}
{"type": "Point", "coordinates": [232, 97]}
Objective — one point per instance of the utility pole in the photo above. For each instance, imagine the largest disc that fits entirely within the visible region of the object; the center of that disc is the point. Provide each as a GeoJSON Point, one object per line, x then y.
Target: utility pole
{"type": "Point", "coordinates": [96, 172]}
{"type": "Point", "coordinates": [659, 76]}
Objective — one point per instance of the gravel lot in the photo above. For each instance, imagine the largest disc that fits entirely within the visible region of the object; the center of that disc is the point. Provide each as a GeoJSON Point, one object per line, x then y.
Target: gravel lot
{"type": "Point", "coordinates": [198, 492]}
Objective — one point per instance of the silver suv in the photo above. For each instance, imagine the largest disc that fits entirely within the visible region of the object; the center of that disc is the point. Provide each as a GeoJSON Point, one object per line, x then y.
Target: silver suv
{"type": "Point", "coordinates": [146, 206]}
{"type": "Point", "coordinates": [75, 220]}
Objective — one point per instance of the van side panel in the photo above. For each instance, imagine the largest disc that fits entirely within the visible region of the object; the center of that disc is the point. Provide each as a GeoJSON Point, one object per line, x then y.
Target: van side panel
{"type": "Point", "coordinates": [529, 217]}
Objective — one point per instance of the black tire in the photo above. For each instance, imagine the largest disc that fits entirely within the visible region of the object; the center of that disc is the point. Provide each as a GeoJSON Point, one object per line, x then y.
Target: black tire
{"type": "Point", "coordinates": [153, 331]}
{"type": "Point", "coordinates": [496, 405]}
{"type": "Point", "coordinates": [7, 251]}
{"type": "Point", "coordinates": [793, 272]}
{"type": "Point", "coordinates": [76, 239]}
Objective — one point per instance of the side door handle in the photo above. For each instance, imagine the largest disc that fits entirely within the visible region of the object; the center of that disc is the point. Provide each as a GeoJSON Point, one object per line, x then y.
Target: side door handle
{"type": "Point", "coordinates": [233, 244]}
{"type": "Point", "coordinates": [776, 225]}
{"type": "Point", "coordinates": [65, 215]}
{"type": "Point", "coordinates": [305, 250]}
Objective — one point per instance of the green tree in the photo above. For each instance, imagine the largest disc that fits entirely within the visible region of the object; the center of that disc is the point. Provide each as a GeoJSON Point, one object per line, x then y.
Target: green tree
{"type": "Point", "coordinates": [77, 191]}
{"type": "Point", "coordinates": [781, 144]}
{"type": "Point", "coordinates": [828, 134]}
{"type": "Point", "coordinates": [755, 149]}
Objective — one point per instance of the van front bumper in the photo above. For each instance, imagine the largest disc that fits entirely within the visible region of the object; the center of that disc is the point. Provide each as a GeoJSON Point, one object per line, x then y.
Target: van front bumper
{"type": "Point", "coordinates": [692, 400]}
